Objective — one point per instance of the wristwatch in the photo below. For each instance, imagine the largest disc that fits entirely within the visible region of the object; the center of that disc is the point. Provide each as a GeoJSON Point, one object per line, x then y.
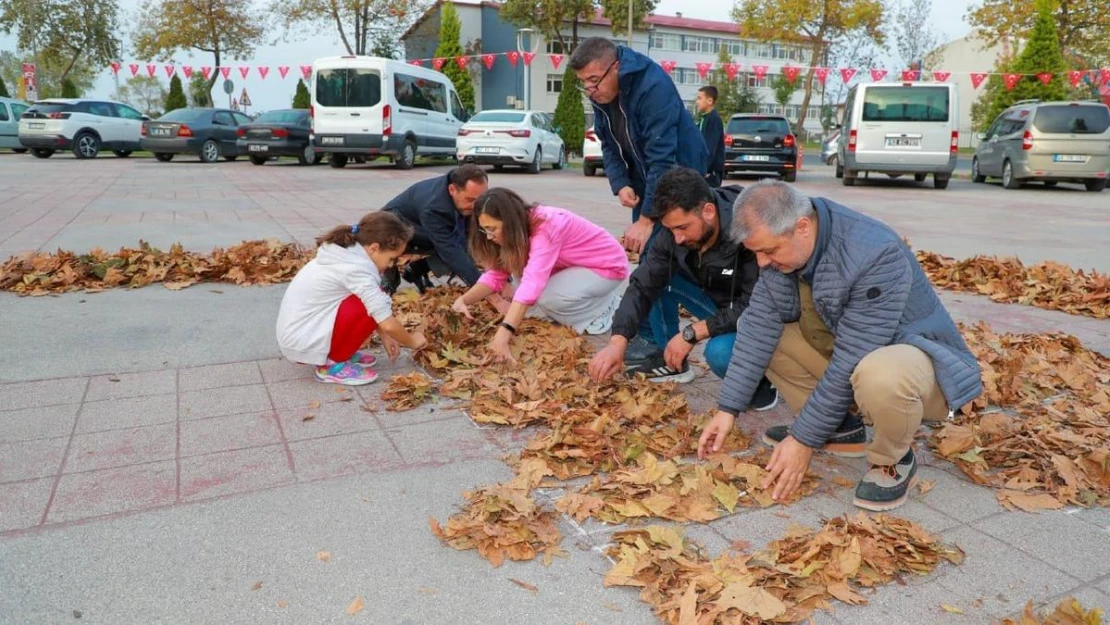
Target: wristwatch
{"type": "Point", "coordinates": [689, 335]}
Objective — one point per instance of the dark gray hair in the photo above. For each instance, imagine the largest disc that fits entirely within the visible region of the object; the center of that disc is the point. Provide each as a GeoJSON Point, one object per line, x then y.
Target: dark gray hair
{"type": "Point", "coordinates": [774, 203]}
{"type": "Point", "coordinates": [593, 49]}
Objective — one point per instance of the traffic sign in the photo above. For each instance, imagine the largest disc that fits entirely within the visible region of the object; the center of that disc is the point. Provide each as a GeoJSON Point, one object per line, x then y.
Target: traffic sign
{"type": "Point", "coordinates": [235, 104]}
{"type": "Point", "coordinates": [245, 99]}
{"type": "Point", "coordinates": [229, 87]}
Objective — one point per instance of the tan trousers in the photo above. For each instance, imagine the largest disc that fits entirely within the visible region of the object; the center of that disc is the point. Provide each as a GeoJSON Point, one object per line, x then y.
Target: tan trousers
{"type": "Point", "coordinates": [895, 388]}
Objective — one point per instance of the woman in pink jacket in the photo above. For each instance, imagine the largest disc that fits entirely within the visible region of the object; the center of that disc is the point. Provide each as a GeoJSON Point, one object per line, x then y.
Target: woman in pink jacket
{"type": "Point", "coordinates": [570, 269]}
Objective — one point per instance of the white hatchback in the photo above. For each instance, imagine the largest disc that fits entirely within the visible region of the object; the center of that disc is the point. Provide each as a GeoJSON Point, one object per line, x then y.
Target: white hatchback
{"type": "Point", "coordinates": [82, 126]}
{"type": "Point", "coordinates": [592, 158]}
{"type": "Point", "coordinates": [511, 137]}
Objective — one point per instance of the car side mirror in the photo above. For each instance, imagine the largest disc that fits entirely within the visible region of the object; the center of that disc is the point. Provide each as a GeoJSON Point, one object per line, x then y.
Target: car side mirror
{"type": "Point", "coordinates": [558, 130]}
{"type": "Point", "coordinates": [145, 118]}
{"type": "Point", "coordinates": [981, 136]}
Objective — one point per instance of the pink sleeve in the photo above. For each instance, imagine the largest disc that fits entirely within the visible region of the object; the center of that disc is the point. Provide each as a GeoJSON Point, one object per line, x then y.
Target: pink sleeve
{"type": "Point", "coordinates": [542, 254]}
{"type": "Point", "coordinates": [494, 279]}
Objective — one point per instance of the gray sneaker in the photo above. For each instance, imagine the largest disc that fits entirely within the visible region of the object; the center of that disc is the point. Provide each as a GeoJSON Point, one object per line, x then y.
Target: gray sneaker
{"type": "Point", "coordinates": [640, 350]}
{"type": "Point", "coordinates": [886, 487]}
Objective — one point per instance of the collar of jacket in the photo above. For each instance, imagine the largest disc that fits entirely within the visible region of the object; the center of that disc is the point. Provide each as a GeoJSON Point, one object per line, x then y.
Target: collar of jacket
{"type": "Point", "coordinates": [824, 230]}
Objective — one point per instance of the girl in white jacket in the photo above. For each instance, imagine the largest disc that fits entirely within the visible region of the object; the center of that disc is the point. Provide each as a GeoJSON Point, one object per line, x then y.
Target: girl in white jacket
{"type": "Point", "coordinates": [336, 302]}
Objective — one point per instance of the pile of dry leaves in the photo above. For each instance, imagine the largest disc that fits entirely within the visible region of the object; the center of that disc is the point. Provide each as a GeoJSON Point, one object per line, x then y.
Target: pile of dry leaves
{"type": "Point", "coordinates": [783, 583]}
{"type": "Point", "coordinates": [250, 262]}
{"type": "Point", "coordinates": [1045, 285]}
{"type": "Point", "coordinates": [1068, 612]}
{"type": "Point", "coordinates": [1049, 444]}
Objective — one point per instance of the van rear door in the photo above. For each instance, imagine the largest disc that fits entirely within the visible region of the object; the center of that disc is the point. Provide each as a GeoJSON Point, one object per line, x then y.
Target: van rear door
{"type": "Point", "coordinates": [348, 103]}
{"type": "Point", "coordinates": [1071, 138]}
{"type": "Point", "coordinates": [906, 124]}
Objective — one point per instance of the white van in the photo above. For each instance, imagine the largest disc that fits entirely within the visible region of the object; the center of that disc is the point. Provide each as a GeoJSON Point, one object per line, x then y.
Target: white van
{"type": "Point", "coordinates": [899, 128]}
{"type": "Point", "coordinates": [364, 107]}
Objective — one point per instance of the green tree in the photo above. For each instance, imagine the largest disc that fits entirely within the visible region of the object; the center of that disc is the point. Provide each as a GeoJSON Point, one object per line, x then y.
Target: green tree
{"type": "Point", "coordinates": [3, 89]}
{"type": "Point", "coordinates": [200, 93]}
{"type": "Point", "coordinates": [1081, 25]}
{"type": "Point", "coordinates": [449, 47]}
{"type": "Point", "coordinates": [810, 24]}
{"type": "Point", "coordinates": [733, 96]}
{"type": "Point", "coordinates": [912, 34]}
{"type": "Point", "coordinates": [616, 11]}
{"type": "Point", "coordinates": [364, 26]}
{"type": "Point", "coordinates": [223, 28]}
{"type": "Point", "coordinates": [64, 33]}
{"type": "Point", "coordinates": [48, 71]}
{"type": "Point", "coordinates": [69, 90]}
{"type": "Point", "coordinates": [301, 98]}
{"type": "Point", "coordinates": [175, 99]}
{"type": "Point", "coordinates": [1041, 53]}
{"type": "Point", "coordinates": [144, 93]}
{"type": "Point", "coordinates": [570, 114]}
{"type": "Point", "coordinates": [783, 90]}
{"type": "Point", "coordinates": [549, 17]}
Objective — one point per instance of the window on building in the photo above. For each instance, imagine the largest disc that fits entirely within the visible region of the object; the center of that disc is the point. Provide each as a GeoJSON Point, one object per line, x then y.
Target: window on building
{"type": "Point", "coordinates": [555, 47]}
{"type": "Point", "coordinates": [762, 51]}
{"type": "Point", "coordinates": [756, 82]}
{"type": "Point", "coordinates": [736, 48]}
{"type": "Point", "coordinates": [690, 77]}
{"type": "Point", "coordinates": [664, 41]}
{"type": "Point", "coordinates": [555, 83]}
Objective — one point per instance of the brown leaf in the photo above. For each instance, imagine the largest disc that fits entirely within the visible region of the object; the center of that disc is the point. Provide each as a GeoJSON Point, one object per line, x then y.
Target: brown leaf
{"type": "Point", "coordinates": [924, 486]}
{"type": "Point", "coordinates": [308, 417]}
{"type": "Point", "coordinates": [843, 482]}
{"type": "Point", "coordinates": [314, 404]}
{"type": "Point", "coordinates": [427, 591]}
{"type": "Point", "coordinates": [355, 607]}
{"type": "Point", "coordinates": [1028, 502]}
{"type": "Point", "coordinates": [257, 586]}
{"type": "Point", "coordinates": [525, 585]}
{"type": "Point", "coordinates": [282, 603]}
{"type": "Point", "coordinates": [323, 556]}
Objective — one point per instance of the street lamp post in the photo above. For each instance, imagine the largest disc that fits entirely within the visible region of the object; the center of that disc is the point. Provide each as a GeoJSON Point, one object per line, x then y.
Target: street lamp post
{"type": "Point", "coordinates": [527, 68]}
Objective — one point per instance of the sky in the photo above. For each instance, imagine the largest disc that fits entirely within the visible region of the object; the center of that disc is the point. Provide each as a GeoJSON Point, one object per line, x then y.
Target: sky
{"type": "Point", "coordinates": [273, 92]}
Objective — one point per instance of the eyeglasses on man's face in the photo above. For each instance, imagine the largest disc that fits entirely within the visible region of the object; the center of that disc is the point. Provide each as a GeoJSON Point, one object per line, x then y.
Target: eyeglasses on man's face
{"type": "Point", "coordinates": [591, 84]}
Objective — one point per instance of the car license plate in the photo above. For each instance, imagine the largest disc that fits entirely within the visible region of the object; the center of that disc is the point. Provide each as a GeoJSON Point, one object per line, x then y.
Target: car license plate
{"type": "Point", "coordinates": [1069, 158]}
{"type": "Point", "coordinates": [160, 132]}
{"type": "Point", "coordinates": [755, 157]}
{"type": "Point", "coordinates": [902, 142]}
{"type": "Point", "coordinates": [331, 140]}
{"type": "Point", "coordinates": [487, 150]}
{"type": "Point", "coordinates": [36, 125]}
{"type": "Point", "coordinates": [258, 148]}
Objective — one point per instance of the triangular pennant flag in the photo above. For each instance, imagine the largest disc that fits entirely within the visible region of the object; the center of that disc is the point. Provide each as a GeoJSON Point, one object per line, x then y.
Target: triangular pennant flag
{"type": "Point", "coordinates": [461, 61]}
{"type": "Point", "coordinates": [262, 71]}
{"type": "Point", "coordinates": [488, 60]}
{"type": "Point", "coordinates": [668, 66]}
{"type": "Point", "coordinates": [1075, 77]}
{"type": "Point", "coordinates": [791, 73]}
{"type": "Point", "coordinates": [134, 67]}
{"type": "Point", "coordinates": [941, 76]}
{"type": "Point", "coordinates": [170, 69]}
{"type": "Point", "coordinates": [732, 70]}
{"type": "Point", "coordinates": [977, 79]}
{"type": "Point", "coordinates": [514, 56]}
{"type": "Point", "coordinates": [822, 74]}
{"type": "Point", "coordinates": [878, 74]}
{"type": "Point", "coordinates": [187, 70]}
{"type": "Point", "coordinates": [528, 56]}
{"type": "Point", "coordinates": [205, 71]}
{"type": "Point", "coordinates": [1011, 80]}
{"type": "Point", "coordinates": [556, 60]}
{"type": "Point", "coordinates": [283, 70]}
{"type": "Point", "coordinates": [847, 73]}
{"type": "Point", "coordinates": [1046, 77]}
{"type": "Point", "coordinates": [226, 71]}
{"type": "Point", "coordinates": [703, 69]}
{"type": "Point", "coordinates": [1105, 75]}
{"type": "Point", "coordinates": [760, 71]}
{"type": "Point", "coordinates": [416, 62]}
{"type": "Point", "coordinates": [910, 75]}
{"type": "Point", "coordinates": [150, 69]}
{"type": "Point", "coordinates": [438, 63]}
{"type": "Point", "coordinates": [306, 71]}
{"type": "Point", "coordinates": [244, 70]}
{"type": "Point", "coordinates": [115, 67]}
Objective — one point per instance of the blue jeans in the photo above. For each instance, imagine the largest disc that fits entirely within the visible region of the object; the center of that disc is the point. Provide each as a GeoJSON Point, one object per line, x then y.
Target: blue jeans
{"type": "Point", "coordinates": [664, 321]}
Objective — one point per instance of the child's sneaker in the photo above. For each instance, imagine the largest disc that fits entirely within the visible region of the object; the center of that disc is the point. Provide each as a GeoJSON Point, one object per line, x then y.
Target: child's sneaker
{"type": "Point", "coordinates": [363, 358]}
{"type": "Point", "coordinates": [345, 373]}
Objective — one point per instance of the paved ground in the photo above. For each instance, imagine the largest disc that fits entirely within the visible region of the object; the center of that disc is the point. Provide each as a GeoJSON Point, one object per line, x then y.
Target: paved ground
{"type": "Point", "coordinates": [154, 464]}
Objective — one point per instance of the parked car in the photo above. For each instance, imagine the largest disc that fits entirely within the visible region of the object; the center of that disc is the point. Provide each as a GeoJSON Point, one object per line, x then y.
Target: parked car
{"type": "Point", "coordinates": [365, 107]}
{"type": "Point", "coordinates": [1049, 142]}
{"type": "Point", "coordinates": [761, 143]}
{"type": "Point", "coordinates": [592, 159]}
{"type": "Point", "coordinates": [511, 137]}
{"type": "Point", "coordinates": [81, 125]}
{"type": "Point", "coordinates": [898, 129]}
{"type": "Point", "coordinates": [10, 110]}
{"type": "Point", "coordinates": [828, 148]}
{"type": "Point", "coordinates": [279, 133]}
{"type": "Point", "coordinates": [207, 132]}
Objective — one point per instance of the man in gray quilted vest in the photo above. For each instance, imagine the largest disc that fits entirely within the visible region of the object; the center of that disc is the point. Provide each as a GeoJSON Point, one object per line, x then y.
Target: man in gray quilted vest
{"type": "Point", "coordinates": [850, 331]}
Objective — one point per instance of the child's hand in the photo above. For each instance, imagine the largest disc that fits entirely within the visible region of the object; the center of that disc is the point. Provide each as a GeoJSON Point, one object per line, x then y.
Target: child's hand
{"type": "Point", "coordinates": [418, 342]}
{"type": "Point", "coordinates": [392, 347]}
{"type": "Point", "coordinates": [460, 307]}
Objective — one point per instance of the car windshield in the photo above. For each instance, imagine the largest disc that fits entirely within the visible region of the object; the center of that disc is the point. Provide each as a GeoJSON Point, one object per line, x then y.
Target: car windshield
{"type": "Point", "coordinates": [1080, 119]}
{"type": "Point", "coordinates": [757, 126]}
{"type": "Point", "coordinates": [498, 116]}
{"type": "Point", "coordinates": [282, 117]}
{"type": "Point", "coordinates": [182, 115]}
{"type": "Point", "coordinates": [49, 107]}
{"type": "Point", "coordinates": [905, 104]}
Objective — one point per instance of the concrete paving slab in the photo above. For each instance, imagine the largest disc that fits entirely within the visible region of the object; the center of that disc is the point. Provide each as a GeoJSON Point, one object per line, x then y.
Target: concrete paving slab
{"type": "Point", "coordinates": [115, 414]}
{"type": "Point", "coordinates": [27, 460]}
{"type": "Point", "coordinates": [124, 385]}
{"type": "Point", "coordinates": [31, 423]}
{"type": "Point", "coordinates": [305, 422]}
{"type": "Point", "coordinates": [348, 454]}
{"type": "Point", "coordinates": [207, 436]}
{"type": "Point", "coordinates": [123, 489]}
{"type": "Point", "coordinates": [41, 392]}
{"type": "Point", "coordinates": [1057, 538]}
{"type": "Point", "coordinates": [238, 471]}
{"type": "Point", "coordinates": [218, 376]}
{"type": "Point", "coordinates": [24, 503]}
{"type": "Point", "coordinates": [228, 400]}
{"type": "Point", "coordinates": [118, 448]}
{"type": "Point", "coordinates": [441, 442]}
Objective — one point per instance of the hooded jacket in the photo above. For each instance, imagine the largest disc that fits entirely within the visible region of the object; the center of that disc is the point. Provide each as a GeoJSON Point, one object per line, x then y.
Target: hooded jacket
{"type": "Point", "coordinates": [428, 206]}
{"type": "Point", "coordinates": [661, 131]}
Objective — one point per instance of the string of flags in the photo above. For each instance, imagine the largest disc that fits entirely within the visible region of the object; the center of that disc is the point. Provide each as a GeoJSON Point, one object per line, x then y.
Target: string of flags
{"type": "Point", "coordinates": [1098, 77]}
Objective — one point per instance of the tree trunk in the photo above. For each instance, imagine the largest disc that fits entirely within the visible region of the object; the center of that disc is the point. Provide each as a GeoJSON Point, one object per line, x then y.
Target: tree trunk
{"type": "Point", "coordinates": [574, 33]}
{"type": "Point", "coordinates": [815, 57]}
{"type": "Point", "coordinates": [339, 27]}
{"type": "Point", "coordinates": [215, 76]}
{"type": "Point", "coordinates": [69, 66]}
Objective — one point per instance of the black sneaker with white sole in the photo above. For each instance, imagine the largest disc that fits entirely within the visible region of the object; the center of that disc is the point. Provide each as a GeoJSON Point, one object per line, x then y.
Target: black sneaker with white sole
{"type": "Point", "coordinates": [766, 396]}
{"type": "Point", "coordinates": [849, 440]}
{"type": "Point", "coordinates": [640, 350]}
{"type": "Point", "coordinates": [886, 487]}
{"type": "Point", "coordinates": [655, 369]}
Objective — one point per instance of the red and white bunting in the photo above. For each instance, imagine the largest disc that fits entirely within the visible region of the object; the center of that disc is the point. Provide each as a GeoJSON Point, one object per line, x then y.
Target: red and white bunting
{"type": "Point", "coordinates": [488, 60]}
{"type": "Point", "coordinates": [821, 73]}
{"type": "Point", "coordinates": [1045, 77]}
{"type": "Point", "coordinates": [134, 67]}
{"type": "Point", "coordinates": [703, 69]}
{"type": "Point", "coordinates": [732, 70]}
{"type": "Point", "coordinates": [205, 71]}
{"type": "Point", "coordinates": [847, 73]}
{"type": "Point", "coordinates": [306, 71]}
{"type": "Point", "coordinates": [170, 70]}
{"type": "Point", "coordinates": [461, 61]}
{"type": "Point", "coordinates": [941, 76]}
{"type": "Point", "coordinates": [417, 63]}
{"type": "Point", "coordinates": [283, 71]}
{"type": "Point", "coordinates": [556, 60]}
{"type": "Point", "coordinates": [514, 56]}
{"type": "Point", "coordinates": [187, 70]}
{"type": "Point", "coordinates": [1075, 77]}
{"type": "Point", "coordinates": [262, 71]}
{"type": "Point", "coordinates": [244, 70]}
{"type": "Point", "coordinates": [791, 73]}
{"type": "Point", "coordinates": [1011, 80]}
{"type": "Point", "coordinates": [877, 75]}
{"type": "Point", "coordinates": [438, 63]}
{"type": "Point", "coordinates": [1104, 75]}
{"type": "Point", "coordinates": [151, 69]}
{"type": "Point", "coordinates": [528, 56]}
{"type": "Point", "coordinates": [910, 75]}
{"type": "Point", "coordinates": [977, 79]}
{"type": "Point", "coordinates": [226, 71]}
{"type": "Point", "coordinates": [760, 71]}
{"type": "Point", "coordinates": [115, 67]}
{"type": "Point", "coordinates": [668, 66]}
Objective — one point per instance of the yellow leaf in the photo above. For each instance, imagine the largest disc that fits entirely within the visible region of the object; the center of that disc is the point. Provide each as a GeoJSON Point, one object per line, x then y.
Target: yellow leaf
{"type": "Point", "coordinates": [688, 606]}
{"type": "Point", "coordinates": [751, 601]}
{"type": "Point", "coordinates": [851, 558]}
{"type": "Point", "coordinates": [841, 591]}
{"type": "Point", "coordinates": [951, 609]}
{"type": "Point", "coordinates": [355, 607]}
{"type": "Point", "coordinates": [727, 495]}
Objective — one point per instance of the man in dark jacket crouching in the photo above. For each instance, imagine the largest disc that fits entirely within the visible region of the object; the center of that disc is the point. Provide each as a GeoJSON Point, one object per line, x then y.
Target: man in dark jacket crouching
{"type": "Point", "coordinates": [842, 314]}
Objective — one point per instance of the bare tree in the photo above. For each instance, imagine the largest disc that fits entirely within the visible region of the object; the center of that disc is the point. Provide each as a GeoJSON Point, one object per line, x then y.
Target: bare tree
{"type": "Point", "coordinates": [913, 34]}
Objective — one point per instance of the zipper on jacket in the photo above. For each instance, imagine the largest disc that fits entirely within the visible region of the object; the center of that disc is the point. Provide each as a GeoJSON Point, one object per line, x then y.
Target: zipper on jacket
{"type": "Point", "coordinates": [635, 156]}
{"type": "Point", "coordinates": [609, 127]}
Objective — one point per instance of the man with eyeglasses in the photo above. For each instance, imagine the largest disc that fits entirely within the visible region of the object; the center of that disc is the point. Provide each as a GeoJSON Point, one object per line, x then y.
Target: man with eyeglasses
{"type": "Point", "coordinates": [645, 130]}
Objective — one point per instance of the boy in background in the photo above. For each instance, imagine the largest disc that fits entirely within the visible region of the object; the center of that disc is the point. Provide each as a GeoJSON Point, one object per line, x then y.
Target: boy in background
{"type": "Point", "coordinates": [713, 131]}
